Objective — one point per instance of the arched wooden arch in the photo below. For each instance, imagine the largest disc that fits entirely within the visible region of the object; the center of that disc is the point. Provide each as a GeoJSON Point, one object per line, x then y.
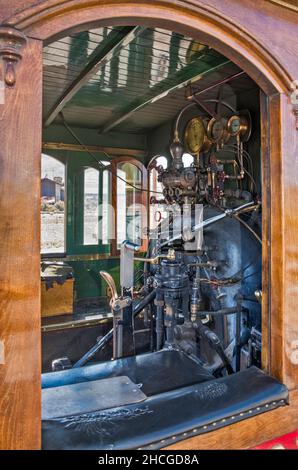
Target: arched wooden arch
{"type": "Point", "coordinates": [237, 31]}
{"type": "Point", "coordinates": [51, 19]}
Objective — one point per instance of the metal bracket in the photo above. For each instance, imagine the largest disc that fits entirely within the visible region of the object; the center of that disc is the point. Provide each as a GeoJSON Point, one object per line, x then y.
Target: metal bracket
{"type": "Point", "coordinates": [12, 42]}
{"type": "Point", "coordinates": [121, 303]}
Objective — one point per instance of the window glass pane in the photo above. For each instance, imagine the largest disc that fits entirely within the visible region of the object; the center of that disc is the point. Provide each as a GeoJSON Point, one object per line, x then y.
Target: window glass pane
{"type": "Point", "coordinates": [52, 205]}
{"type": "Point", "coordinates": [91, 195]}
{"type": "Point", "coordinates": [107, 213]}
{"type": "Point", "coordinates": [129, 204]}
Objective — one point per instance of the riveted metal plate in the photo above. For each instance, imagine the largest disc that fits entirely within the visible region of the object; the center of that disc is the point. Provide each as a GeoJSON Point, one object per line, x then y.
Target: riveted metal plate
{"type": "Point", "coordinates": [88, 397]}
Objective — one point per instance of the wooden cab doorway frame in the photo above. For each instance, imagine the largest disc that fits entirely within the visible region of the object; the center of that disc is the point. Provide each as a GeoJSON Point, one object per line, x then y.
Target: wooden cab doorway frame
{"type": "Point", "coordinates": [20, 136]}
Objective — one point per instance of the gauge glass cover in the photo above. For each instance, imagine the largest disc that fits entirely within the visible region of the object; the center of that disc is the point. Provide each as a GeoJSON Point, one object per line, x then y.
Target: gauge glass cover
{"type": "Point", "coordinates": [195, 135]}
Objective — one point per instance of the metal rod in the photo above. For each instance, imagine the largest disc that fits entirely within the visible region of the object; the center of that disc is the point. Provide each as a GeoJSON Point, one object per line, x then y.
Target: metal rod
{"type": "Point", "coordinates": [219, 83]}
{"type": "Point", "coordinates": [113, 151]}
{"type": "Point", "coordinates": [205, 107]}
{"type": "Point", "coordinates": [223, 311]}
{"type": "Point", "coordinates": [212, 220]}
{"type": "Point", "coordinates": [97, 347]}
{"type": "Point", "coordinates": [248, 228]}
{"type": "Point", "coordinates": [144, 302]}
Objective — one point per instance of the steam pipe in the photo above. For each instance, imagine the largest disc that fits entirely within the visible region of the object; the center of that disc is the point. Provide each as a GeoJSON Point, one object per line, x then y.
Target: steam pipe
{"type": "Point", "coordinates": [223, 311]}
{"type": "Point", "coordinates": [226, 213]}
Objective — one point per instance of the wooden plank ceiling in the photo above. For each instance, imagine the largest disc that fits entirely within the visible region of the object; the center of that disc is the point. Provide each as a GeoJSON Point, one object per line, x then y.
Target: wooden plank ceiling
{"type": "Point", "coordinates": [127, 79]}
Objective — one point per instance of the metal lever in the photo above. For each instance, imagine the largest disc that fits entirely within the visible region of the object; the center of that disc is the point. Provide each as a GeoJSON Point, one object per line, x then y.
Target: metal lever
{"type": "Point", "coordinates": [122, 320]}
{"type": "Point", "coordinates": [111, 283]}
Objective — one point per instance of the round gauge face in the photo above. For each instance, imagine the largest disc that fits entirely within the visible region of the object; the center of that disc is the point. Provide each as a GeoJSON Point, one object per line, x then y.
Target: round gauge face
{"type": "Point", "coordinates": [195, 135]}
{"type": "Point", "coordinates": [215, 130]}
{"type": "Point", "coordinates": [234, 125]}
{"type": "Point", "coordinates": [240, 125]}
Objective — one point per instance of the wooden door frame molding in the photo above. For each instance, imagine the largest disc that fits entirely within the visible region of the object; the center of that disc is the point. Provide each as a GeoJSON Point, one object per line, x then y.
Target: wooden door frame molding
{"type": "Point", "coordinates": [47, 21]}
{"type": "Point", "coordinates": [51, 19]}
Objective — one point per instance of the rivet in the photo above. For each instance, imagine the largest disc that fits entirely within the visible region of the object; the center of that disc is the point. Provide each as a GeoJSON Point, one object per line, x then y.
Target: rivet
{"type": "Point", "coordinates": [266, 406]}
{"type": "Point", "coordinates": [185, 434]}
{"type": "Point", "coordinates": [213, 424]}
{"type": "Point", "coordinates": [232, 417]}
{"type": "Point", "coordinates": [250, 411]}
{"type": "Point", "coordinates": [223, 420]}
{"type": "Point", "coordinates": [194, 430]}
{"type": "Point", "coordinates": [241, 414]}
{"type": "Point", "coordinates": [173, 437]}
{"type": "Point", "coordinates": [205, 427]}
{"type": "Point", "coordinates": [274, 403]}
{"type": "Point", "coordinates": [258, 409]}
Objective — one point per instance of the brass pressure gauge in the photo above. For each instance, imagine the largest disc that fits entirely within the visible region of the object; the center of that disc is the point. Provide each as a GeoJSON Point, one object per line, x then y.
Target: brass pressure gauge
{"type": "Point", "coordinates": [240, 125]}
{"type": "Point", "coordinates": [195, 135]}
{"type": "Point", "coordinates": [216, 130]}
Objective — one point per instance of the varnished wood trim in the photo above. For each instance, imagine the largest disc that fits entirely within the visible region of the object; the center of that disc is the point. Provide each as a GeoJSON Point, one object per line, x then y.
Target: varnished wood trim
{"type": "Point", "coordinates": [276, 241]}
{"type": "Point", "coordinates": [290, 5]}
{"type": "Point", "coordinates": [113, 151]}
{"type": "Point", "coordinates": [266, 285]}
{"type": "Point", "coordinates": [20, 425]}
{"type": "Point", "coordinates": [11, 45]}
{"type": "Point", "coordinates": [287, 339]}
{"type": "Point", "coordinates": [20, 137]}
{"type": "Point", "coordinates": [47, 21]}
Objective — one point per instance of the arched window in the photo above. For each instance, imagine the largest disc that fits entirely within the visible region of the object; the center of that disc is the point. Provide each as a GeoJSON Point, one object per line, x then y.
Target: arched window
{"type": "Point", "coordinates": [129, 201]}
{"type": "Point", "coordinates": [91, 203]}
{"type": "Point", "coordinates": [52, 205]}
{"type": "Point", "coordinates": [96, 211]}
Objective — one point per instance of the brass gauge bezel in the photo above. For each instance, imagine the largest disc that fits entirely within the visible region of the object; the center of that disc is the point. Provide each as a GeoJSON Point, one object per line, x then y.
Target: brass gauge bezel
{"type": "Point", "coordinates": [207, 142]}
{"type": "Point", "coordinates": [197, 147]}
{"type": "Point", "coordinates": [222, 137]}
{"type": "Point", "coordinates": [244, 129]}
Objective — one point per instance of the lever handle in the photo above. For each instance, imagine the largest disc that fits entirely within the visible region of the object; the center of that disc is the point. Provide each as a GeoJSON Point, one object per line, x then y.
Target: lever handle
{"type": "Point", "coordinates": [111, 283]}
